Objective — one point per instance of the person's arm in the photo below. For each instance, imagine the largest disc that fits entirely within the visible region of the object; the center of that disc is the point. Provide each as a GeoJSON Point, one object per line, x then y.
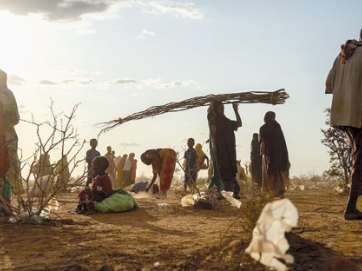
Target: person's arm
{"type": "Point", "coordinates": [157, 160]}
{"type": "Point", "coordinates": [104, 186]}
{"type": "Point", "coordinates": [238, 119]}
{"type": "Point", "coordinates": [88, 157]}
{"type": "Point", "coordinates": [152, 181]}
{"type": "Point", "coordinates": [207, 161]}
{"type": "Point", "coordinates": [330, 79]}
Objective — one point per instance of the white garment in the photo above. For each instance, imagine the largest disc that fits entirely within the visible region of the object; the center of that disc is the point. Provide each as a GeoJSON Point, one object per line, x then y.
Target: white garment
{"type": "Point", "coordinates": [127, 165]}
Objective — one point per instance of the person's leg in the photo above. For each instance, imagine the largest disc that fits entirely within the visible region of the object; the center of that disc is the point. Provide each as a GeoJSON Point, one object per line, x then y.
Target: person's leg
{"type": "Point", "coordinates": [91, 209]}
{"type": "Point", "coordinates": [354, 136]}
{"type": "Point", "coordinates": [236, 190]}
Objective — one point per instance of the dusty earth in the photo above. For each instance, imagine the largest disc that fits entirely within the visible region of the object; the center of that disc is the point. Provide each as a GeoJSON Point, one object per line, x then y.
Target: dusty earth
{"type": "Point", "coordinates": [173, 237]}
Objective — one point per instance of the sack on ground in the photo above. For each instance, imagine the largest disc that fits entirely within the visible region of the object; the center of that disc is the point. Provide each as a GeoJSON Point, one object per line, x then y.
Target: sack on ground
{"type": "Point", "coordinates": [119, 201]}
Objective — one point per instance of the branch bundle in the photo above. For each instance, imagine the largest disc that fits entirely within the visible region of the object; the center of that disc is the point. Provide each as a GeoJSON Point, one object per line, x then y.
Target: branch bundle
{"type": "Point", "coordinates": [271, 97]}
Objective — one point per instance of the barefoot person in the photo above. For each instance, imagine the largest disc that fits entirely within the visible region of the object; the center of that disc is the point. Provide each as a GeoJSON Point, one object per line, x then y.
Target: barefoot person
{"type": "Point", "coordinates": [163, 163]}
{"type": "Point", "coordinates": [344, 82]}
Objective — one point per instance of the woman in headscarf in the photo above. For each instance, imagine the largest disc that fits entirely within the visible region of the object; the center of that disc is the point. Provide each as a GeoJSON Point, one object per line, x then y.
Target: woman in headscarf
{"type": "Point", "coordinates": [223, 147]}
{"type": "Point", "coordinates": [163, 163]}
{"type": "Point", "coordinates": [275, 156]}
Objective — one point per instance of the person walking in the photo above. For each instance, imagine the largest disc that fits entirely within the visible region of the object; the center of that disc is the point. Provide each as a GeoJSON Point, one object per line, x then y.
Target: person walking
{"type": "Point", "coordinates": [344, 82]}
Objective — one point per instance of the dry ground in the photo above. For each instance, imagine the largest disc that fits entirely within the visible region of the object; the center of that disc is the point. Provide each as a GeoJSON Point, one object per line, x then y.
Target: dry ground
{"type": "Point", "coordinates": [178, 238]}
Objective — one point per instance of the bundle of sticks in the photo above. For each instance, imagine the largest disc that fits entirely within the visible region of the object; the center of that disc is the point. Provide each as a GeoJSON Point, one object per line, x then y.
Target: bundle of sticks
{"type": "Point", "coordinates": [269, 97]}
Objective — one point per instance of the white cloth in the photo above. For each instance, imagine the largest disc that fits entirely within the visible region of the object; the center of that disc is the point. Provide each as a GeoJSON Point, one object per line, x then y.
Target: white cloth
{"type": "Point", "coordinates": [268, 242]}
{"type": "Point", "coordinates": [127, 165]}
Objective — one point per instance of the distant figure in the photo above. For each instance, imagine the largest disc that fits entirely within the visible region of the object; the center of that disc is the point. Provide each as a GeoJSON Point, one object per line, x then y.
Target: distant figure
{"type": "Point", "coordinates": [101, 187]}
{"type": "Point", "coordinates": [111, 170]}
{"type": "Point", "coordinates": [344, 81]}
{"type": "Point", "coordinates": [256, 161]}
{"type": "Point", "coordinates": [10, 176]}
{"type": "Point", "coordinates": [163, 163]}
{"type": "Point", "coordinates": [202, 158]}
{"type": "Point", "coordinates": [90, 155]}
{"type": "Point", "coordinates": [241, 177]}
{"type": "Point", "coordinates": [128, 170]}
{"type": "Point", "coordinates": [134, 171]}
{"type": "Point", "coordinates": [120, 170]}
{"type": "Point", "coordinates": [275, 175]}
{"type": "Point", "coordinates": [223, 147]}
{"type": "Point", "coordinates": [190, 157]}
{"type": "Point", "coordinates": [42, 167]}
{"type": "Point", "coordinates": [62, 171]}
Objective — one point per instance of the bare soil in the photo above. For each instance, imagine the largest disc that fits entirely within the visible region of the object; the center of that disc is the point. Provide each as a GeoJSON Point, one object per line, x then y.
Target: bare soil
{"type": "Point", "coordinates": [173, 237]}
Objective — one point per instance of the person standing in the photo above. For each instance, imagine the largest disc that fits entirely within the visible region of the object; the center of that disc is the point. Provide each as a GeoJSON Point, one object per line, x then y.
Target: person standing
{"type": "Point", "coordinates": [10, 175]}
{"type": "Point", "coordinates": [190, 157]}
{"type": "Point", "coordinates": [275, 159]}
{"type": "Point", "coordinates": [201, 158]}
{"type": "Point", "coordinates": [344, 81]}
{"type": "Point", "coordinates": [90, 155]}
{"type": "Point", "coordinates": [111, 170]}
{"type": "Point", "coordinates": [127, 171]}
{"type": "Point", "coordinates": [119, 170]}
{"type": "Point", "coordinates": [255, 160]}
{"type": "Point", "coordinates": [223, 147]}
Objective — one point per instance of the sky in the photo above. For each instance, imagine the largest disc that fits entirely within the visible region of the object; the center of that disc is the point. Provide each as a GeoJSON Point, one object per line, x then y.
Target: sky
{"type": "Point", "coordinates": [114, 58]}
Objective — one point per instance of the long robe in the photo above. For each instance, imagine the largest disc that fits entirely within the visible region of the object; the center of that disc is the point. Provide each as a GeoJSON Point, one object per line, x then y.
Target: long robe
{"type": "Point", "coordinates": [275, 158]}
{"type": "Point", "coordinates": [9, 118]}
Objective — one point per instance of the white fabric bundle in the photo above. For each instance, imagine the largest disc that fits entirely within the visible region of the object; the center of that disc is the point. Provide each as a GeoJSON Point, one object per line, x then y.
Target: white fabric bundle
{"type": "Point", "coordinates": [269, 242]}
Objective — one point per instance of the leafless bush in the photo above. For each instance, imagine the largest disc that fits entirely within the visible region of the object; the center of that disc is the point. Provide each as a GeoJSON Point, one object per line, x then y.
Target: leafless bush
{"type": "Point", "coordinates": [57, 137]}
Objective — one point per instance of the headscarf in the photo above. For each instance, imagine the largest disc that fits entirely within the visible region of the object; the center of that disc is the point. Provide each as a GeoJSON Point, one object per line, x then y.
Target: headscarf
{"type": "Point", "coordinates": [275, 146]}
{"type": "Point", "coordinates": [347, 50]}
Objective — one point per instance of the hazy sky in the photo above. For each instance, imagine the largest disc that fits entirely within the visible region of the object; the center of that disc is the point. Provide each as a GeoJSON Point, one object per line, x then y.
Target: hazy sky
{"type": "Point", "coordinates": [116, 58]}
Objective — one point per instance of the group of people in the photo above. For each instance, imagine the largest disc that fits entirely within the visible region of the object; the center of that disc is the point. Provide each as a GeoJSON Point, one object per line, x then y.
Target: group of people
{"type": "Point", "coordinates": [269, 153]}
{"type": "Point", "coordinates": [269, 156]}
{"type": "Point", "coordinates": [121, 170]}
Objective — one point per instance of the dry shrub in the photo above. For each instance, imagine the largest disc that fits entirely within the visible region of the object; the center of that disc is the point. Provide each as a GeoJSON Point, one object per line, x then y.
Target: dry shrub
{"type": "Point", "coordinates": [251, 209]}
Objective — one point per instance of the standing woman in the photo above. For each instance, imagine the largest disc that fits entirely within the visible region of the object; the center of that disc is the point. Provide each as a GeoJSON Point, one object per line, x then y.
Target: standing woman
{"type": "Point", "coordinates": [223, 147]}
{"type": "Point", "coordinates": [275, 175]}
{"type": "Point", "coordinates": [163, 163]}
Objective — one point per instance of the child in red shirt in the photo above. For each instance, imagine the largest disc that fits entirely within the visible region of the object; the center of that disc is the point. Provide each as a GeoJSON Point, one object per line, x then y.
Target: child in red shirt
{"type": "Point", "coordinates": [101, 187]}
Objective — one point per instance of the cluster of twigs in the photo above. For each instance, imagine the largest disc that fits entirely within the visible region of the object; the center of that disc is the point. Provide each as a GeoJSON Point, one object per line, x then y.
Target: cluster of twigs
{"type": "Point", "coordinates": [53, 137]}
{"type": "Point", "coordinates": [271, 97]}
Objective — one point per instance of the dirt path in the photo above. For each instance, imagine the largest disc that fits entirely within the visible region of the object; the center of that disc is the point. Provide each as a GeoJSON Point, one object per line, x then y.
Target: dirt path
{"type": "Point", "coordinates": [178, 238]}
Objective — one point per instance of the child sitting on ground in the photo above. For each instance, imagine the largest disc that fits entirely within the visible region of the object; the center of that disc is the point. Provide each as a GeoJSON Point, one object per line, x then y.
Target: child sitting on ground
{"type": "Point", "coordinates": [101, 187]}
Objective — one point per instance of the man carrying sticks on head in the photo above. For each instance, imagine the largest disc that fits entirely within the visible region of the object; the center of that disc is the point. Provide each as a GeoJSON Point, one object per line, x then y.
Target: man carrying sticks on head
{"type": "Point", "coordinates": [344, 81]}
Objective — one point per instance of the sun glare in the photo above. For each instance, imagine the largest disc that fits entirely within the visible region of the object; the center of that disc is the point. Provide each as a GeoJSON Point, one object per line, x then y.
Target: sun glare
{"type": "Point", "coordinates": [18, 42]}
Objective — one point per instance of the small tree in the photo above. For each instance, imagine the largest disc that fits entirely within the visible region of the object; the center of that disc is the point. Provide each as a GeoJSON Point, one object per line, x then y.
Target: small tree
{"type": "Point", "coordinates": [57, 137]}
{"type": "Point", "coordinates": [339, 151]}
